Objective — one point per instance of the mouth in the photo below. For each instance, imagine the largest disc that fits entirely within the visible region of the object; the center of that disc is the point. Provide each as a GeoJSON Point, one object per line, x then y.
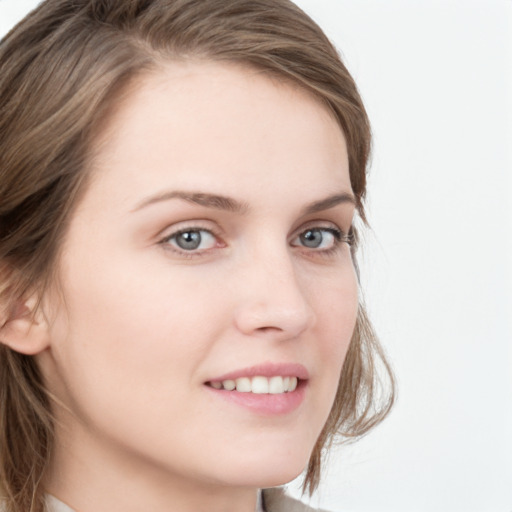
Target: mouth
{"type": "Point", "coordinates": [258, 384]}
{"type": "Point", "coordinates": [268, 389]}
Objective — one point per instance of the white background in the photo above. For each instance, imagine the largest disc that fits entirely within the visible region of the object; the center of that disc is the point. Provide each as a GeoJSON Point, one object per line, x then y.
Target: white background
{"type": "Point", "coordinates": [436, 78]}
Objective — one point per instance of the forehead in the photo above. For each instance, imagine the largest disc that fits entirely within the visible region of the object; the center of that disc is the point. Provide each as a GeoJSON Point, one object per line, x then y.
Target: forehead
{"type": "Point", "coordinates": [205, 123]}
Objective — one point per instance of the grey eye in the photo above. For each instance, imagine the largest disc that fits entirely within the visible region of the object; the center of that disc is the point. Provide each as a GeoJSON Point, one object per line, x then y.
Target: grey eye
{"type": "Point", "coordinates": [312, 238]}
{"type": "Point", "coordinates": [193, 239]}
{"type": "Point", "coordinates": [318, 238]}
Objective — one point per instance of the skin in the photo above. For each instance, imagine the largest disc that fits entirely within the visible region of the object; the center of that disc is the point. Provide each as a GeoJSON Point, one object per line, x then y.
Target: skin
{"type": "Point", "coordinates": [139, 325]}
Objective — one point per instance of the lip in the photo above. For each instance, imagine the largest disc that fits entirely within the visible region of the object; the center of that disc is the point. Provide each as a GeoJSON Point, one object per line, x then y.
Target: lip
{"type": "Point", "coordinates": [266, 370]}
{"type": "Point", "coordinates": [264, 404]}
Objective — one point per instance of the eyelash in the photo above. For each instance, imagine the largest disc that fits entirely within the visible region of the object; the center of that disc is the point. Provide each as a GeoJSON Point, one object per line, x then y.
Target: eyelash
{"type": "Point", "coordinates": [166, 241]}
{"type": "Point", "coordinates": [340, 237]}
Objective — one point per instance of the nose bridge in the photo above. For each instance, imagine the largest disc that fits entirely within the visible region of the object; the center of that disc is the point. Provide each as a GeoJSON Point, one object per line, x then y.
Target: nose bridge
{"type": "Point", "coordinates": [274, 300]}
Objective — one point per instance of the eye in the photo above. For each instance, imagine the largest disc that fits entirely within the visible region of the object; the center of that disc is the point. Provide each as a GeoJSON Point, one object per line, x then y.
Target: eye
{"type": "Point", "coordinates": [319, 238]}
{"type": "Point", "coordinates": [192, 240]}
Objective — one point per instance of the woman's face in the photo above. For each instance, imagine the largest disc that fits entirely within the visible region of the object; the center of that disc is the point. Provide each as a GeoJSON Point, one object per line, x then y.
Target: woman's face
{"type": "Point", "coordinates": [209, 247]}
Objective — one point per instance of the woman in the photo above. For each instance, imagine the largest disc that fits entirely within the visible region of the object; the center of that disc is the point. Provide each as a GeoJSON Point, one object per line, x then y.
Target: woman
{"type": "Point", "coordinates": [180, 322]}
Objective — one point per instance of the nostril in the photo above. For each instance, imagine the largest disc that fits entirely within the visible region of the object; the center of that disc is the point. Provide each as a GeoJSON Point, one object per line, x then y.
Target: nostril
{"type": "Point", "coordinates": [269, 329]}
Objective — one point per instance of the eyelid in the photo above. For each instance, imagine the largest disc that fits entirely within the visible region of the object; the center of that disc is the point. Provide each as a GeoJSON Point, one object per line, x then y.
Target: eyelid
{"type": "Point", "coordinates": [189, 225]}
{"type": "Point", "coordinates": [341, 237]}
{"type": "Point", "coordinates": [175, 230]}
{"type": "Point", "coordinates": [322, 225]}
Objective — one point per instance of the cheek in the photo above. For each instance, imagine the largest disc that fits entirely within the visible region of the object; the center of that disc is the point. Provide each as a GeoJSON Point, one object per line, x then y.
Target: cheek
{"type": "Point", "coordinates": [336, 307]}
{"type": "Point", "coordinates": [155, 324]}
{"type": "Point", "coordinates": [127, 351]}
{"type": "Point", "coordinates": [341, 317]}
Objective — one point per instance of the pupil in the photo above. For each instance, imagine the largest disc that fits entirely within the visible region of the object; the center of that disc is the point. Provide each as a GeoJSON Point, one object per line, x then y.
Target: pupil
{"type": "Point", "coordinates": [189, 240]}
{"type": "Point", "coordinates": [312, 238]}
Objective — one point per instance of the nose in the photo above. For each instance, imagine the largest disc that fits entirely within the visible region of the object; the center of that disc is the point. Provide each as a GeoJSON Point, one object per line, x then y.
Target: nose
{"type": "Point", "coordinates": [273, 302]}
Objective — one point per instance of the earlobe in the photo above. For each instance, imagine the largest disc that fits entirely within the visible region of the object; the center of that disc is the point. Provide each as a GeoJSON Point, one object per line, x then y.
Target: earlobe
{"type": "Point", "coordinates": [25, 330]}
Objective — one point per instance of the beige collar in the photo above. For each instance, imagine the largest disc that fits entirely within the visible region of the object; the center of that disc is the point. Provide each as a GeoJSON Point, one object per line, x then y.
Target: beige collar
{"type": "Point", "coordinates": [276, 500]}
{"type": "Point", "coordinates": [55, 505]}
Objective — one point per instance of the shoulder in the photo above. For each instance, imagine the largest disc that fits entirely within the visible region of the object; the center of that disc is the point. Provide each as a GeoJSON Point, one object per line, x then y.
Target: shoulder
{"type": "Point", "coordinates": [276, 500]}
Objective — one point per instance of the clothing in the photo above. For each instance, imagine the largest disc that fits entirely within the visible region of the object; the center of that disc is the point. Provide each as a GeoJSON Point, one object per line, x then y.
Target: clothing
{"type": "Point", "coordinates": [276, 500]}
{"type": "Point", "coordinates": [272, 500]}
{"type": "Point", "coordinates": [55, 505]}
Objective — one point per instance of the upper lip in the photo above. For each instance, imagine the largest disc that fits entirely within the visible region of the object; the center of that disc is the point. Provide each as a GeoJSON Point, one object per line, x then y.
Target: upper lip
{"type": "Point", "coordinates": [266, 370]}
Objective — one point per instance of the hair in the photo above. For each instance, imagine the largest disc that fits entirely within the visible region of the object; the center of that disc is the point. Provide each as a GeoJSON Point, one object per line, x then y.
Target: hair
{"type": "Point", "coordinates": [62, 70]}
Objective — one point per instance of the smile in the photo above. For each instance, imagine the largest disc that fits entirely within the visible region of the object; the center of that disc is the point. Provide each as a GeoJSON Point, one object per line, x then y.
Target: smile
{"type": "Point", "coordinates": [258, 384]}
{"type": "Point", "coordinates": [267, 389]}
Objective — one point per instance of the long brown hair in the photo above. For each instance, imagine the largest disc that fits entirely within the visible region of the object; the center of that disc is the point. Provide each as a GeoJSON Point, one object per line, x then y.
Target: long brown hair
{"type": "Point", "coordinates": [62, 70]}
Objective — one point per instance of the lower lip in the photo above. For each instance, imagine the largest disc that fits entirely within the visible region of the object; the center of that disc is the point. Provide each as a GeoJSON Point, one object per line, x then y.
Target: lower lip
{"type": "Point", "coordinates": [265, 404]}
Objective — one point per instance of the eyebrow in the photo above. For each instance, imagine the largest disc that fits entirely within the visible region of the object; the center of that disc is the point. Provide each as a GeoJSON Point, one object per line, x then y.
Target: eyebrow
{"type": "Point", "coordinates": [229, 204]}
{"type": "Point", "coordinates": [214, 201]}
{"type": "Point", "coordinates": [329, 202]}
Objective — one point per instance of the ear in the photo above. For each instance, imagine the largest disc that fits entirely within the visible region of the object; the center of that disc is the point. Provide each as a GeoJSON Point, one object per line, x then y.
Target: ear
{"type": "Point", "coordinates": [26, 329]}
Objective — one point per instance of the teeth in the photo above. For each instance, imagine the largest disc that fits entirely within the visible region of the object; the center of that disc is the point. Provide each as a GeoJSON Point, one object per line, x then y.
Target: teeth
{"type": "Point", "coordinates": [243, 385]}
{"type": "Point", "coordinates": [258, 385]}
{"type": "Point", "coordinates": [228, 384]}
{"type": "Point", "coordinates": [276, 385]}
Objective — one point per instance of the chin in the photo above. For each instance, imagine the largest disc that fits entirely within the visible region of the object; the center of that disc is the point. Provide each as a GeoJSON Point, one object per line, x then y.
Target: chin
{"type": "Point", "coordinates": [270, 471]}
{"type": "Point", "coordinates": [272, 477]}
{"type": "Point", "coordinates": [279, 478]}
